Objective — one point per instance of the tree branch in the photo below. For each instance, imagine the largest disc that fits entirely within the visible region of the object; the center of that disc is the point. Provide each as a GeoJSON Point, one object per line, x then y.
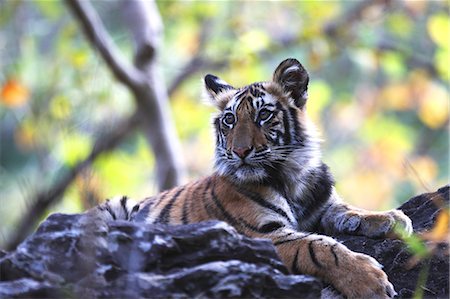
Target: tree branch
{"type": "Point", "coordinates": [99, 38]}
{"type": "Point", "coordinates": [150, 93]}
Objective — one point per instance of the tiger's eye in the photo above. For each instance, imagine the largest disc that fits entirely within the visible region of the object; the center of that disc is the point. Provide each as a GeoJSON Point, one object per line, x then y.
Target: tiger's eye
{"type": "Point", "coordinates": [229, 119]}
{"type": "Point", "coordinates": [265, 114]}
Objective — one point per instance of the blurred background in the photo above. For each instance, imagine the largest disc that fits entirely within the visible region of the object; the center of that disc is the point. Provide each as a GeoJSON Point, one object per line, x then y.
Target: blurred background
{"type": "Point", "coordinates": [379, 94]}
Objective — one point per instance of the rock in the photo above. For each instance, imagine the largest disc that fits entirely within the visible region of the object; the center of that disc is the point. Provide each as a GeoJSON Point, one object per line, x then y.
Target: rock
{"type": "Point", "coordinates": [77, 256]}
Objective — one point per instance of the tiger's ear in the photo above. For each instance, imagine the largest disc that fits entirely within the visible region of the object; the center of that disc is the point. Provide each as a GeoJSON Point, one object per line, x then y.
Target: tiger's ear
{"type": "Point", "coordinates": [293, 78]}
{"type": "Point", "coordinates": [214, 86]}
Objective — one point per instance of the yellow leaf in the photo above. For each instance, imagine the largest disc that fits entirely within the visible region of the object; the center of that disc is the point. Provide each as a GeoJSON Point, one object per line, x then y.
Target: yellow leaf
{"type": "Point", "coordinates": [396, 97]}
{"type": "Point", "coordinates": [425, 170]}
{"type": "Point", "coordinates": [14, 94]}
{"type": "Point", "coordinates": [319, 95]}
{"type": "Point", "coordinates": [440, 231]}
{"type": "Point", "coordinates": [376, 189]}
{"type": "Point", "coordinates": [254, 41]}
{"type": "Point", "coordinates": [60, 107]}
{"type": "Point", "coordinates": [438, 27]}
{"type": "Point", "coordinates": [433, 110]}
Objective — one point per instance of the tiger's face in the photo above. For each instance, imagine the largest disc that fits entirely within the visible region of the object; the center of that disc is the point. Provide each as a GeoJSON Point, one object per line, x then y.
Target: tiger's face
{"type": "Point", "coordinates": [262, 129]}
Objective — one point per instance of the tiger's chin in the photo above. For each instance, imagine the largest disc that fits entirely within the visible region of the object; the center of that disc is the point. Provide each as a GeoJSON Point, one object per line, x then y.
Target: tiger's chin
{"type": "Point", "coordinates": [244, 174]}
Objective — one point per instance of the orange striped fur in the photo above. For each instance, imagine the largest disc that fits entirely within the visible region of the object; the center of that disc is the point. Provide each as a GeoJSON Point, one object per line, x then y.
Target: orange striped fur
{"type": "Point", "coordinates": [270, 183]}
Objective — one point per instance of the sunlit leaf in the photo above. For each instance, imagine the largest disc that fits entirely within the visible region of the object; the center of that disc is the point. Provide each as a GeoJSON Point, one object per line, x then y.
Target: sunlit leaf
{"type": "Point", "coordinates": [375, 188]}
{"type": "Point", "coordinates": [60, 107]}
{"type": "Point", "coordinates": [393, 64]}
{"type": "Point", "coordinates": [50, 9]}
{"type": "Point", "coordinates": [441, 61]}
{"type": "Point", "coordinates": [73, 148]}
{"type": "Point", "coordinates": [416, 246]}
{"type": "Point", "coordinates": [425, 170]}
{"type": "Point", "coordinates": [440, 231]}
{"type": "Point", "coordinates": [397, 97]}
{"type": "Point", "coordinates": [254, 40]}
{"type": "Point", "coordinates": [365, 59]}
{"type": "Point", "coordinates": [14, 93]}
{"type": "Point", "coordinates": [319, 95]}
{"type": "Point", "coordinates": [434, 106]}
{"type": "Point", "coordinates": [400, 24]}
{"type": "Point", "coordinates": [439, 29]}
{"type": "Point", "coordinates": [79, 58]}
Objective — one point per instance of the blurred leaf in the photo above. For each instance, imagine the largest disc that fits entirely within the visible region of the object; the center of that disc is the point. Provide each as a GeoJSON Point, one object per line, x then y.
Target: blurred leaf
{"type": "Point", "coordinates": [396, 96]}
{"type": "Point", "coordinates": [440, 231]}
{"type": "Point", "coordinates": [416, 7]}
{"type": "Point", "coordinates": [319, 95]}
{"type": "Point", "coordinates": [50, 9]}
{"type": "Point", "coordinates": [14, 93]}
{"type": "Point", "coordinates": [425, 170]}
{"type": "Point", "coordinates": [393, 64]}
{"type": "Point", "coordinates": [79, 58]}
{"type": "Point", "coordinates": [254, 41]}
{"type": "Point", "coordinates": [441, 61]}
{"type": "Point", "coordinates": [60, 107]}
{"type": "Point", "coordinates": [380, 127]}
{"type": "Point", "coordinates": [25, 135]}
{"type": "Point", "coordinates": [73, 148]}
{"type": "Point", "coordinates": [416, 245]}
{"type": "Point", "coordinates": [434, 106]}
{"type": "Point", "coordinates": [375, 186]}
{"type": "Point", "coordinates": [400, 24]}
{"type": "Point", "coordinates": [438, 27]}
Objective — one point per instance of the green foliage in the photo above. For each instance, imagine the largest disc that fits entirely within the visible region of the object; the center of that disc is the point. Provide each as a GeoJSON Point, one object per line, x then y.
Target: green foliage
{"type": "Point", "coordinates": [378, 92]}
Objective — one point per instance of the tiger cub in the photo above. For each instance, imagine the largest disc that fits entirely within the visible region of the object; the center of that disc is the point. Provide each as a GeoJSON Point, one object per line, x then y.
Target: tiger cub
{"type": "Point", "coordinates": [270, 182]}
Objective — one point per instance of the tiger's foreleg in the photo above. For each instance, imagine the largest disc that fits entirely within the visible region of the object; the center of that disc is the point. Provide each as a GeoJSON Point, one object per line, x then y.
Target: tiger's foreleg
{"type": "Point", "coordinates": [354, 274]}
{"type": "Point", "coordinates": [340, 217]}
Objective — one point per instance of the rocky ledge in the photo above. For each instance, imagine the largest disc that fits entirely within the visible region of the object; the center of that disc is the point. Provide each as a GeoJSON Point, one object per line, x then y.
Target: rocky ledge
{"type": "Point", "coordinates": [78, 257]}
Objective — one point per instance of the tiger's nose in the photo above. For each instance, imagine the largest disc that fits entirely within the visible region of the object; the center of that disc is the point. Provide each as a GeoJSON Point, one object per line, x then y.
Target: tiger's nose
{"type": "Point", "coordinates": [242, 152]}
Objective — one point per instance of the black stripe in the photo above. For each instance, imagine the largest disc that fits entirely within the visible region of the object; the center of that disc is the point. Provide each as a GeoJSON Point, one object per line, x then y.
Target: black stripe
{"type": "Point", "coordinates": [109, 209]}
{"type": "Point", "coordinates": [229, 218]}
{"type": "Point", "coordinates": [123, 203]}
{"type": "Point", "coordinates": [294, 267]}
{"type": "Point", "coordinates": [270, 227]}
{"type": "Point", "coordinates": [287, 126]}
{"type": "Point", "coordinates": [297, 131]}
{"type": "Point", "coordinates": [262, 202]}
{"type": "Point", "coordinates": [136, 208]}
{"type": "Point", "coordinates": [208, 209]}
{"type": "Point", "coordinates": [313, 255]}
{"type": "Point", "coordinates": [290, 240]}
{"type": "Point", "coordinates": [161, 198]}
{"type": "Point", "coordinates": [336, 259]}
{"type": "Point", "coordinates": [164, 215]}
{"type": "Point", "coordinates": [184, 216]}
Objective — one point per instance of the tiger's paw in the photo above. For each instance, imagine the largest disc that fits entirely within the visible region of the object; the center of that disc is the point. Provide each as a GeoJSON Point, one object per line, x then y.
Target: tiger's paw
{"type": "Point", "coordinates": [376, 225]}
{"type": "Point", "coordinates": [362, 277]}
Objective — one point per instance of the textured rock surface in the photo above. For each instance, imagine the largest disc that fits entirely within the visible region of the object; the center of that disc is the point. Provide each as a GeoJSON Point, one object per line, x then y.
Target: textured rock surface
{"type": "Point", "coordinates": [73, 256]}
